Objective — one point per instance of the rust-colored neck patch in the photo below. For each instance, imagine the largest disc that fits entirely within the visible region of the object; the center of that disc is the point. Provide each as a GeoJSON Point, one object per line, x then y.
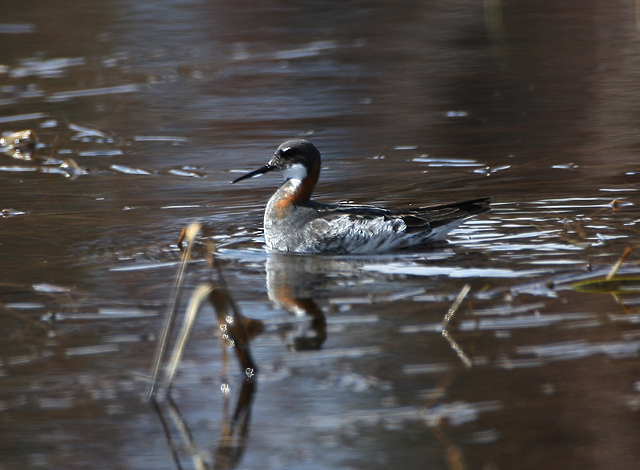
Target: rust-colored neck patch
{"type": "Point", "coordinates": [300, 195]}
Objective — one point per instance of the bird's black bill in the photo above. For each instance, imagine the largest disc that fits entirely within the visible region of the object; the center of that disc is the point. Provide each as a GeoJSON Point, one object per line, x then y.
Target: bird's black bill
{"type": "Point", "coordinates": [259, 171]}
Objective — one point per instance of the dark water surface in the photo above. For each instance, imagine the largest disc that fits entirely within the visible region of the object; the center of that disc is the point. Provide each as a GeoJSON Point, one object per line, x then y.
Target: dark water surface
{"type": "Point", "coordinates": [146, 110]}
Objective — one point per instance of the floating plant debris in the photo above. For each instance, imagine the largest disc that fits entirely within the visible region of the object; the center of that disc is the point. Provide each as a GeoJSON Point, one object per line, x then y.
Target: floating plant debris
{"type": "Point", "coordinates": [67, 95]}
{"type": "Point", "coordinates": [23, 117]}
{"type": "Point", "coordinates": [616, 285]}
{"type": "Point", "coordinates": [159, 138]}
{"type": "Point", "coordinates": [20, 145]}
{"type": "Point", "coordinates": [127, 170]}
{"type": "Point", "coordinates": [11, 212]}
{"type": "Point", "coordinates": [46, 68]}
{"type": "Point", "coordinates": [17, 28]}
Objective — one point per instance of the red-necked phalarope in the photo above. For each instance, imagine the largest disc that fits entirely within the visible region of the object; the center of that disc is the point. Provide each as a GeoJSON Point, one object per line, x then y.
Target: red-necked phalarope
{"type": "Point", "coordinates": [293, 222]}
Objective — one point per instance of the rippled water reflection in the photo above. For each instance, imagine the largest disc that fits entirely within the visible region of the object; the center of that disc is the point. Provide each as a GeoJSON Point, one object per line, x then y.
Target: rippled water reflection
{"type": "Point", "coordinates": [145, 112]}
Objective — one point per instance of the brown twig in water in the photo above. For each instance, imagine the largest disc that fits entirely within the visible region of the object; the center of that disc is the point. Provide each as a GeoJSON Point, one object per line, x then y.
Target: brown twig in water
{"type": "Point", "coordinates": [439, 389]}
{"type": "Point", "coordinates": [51, 183]}
{"type": "Point", "coordinates": [22, 317]}
{"type": "Point", "coordinates": [453, 455]}
{"type": "Point", "coordinates": [618, 264]}
{"type": "Point", "coordinates": [455, 459]}
{"type": "Point", "coordinates": [619, 301]}
{"type": "Point", "coordinates": [209, 254]}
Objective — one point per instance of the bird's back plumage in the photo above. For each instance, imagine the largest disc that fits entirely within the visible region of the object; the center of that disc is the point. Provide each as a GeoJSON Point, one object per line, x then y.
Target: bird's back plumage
{"type": "Point", "coordinates": [341, 228]}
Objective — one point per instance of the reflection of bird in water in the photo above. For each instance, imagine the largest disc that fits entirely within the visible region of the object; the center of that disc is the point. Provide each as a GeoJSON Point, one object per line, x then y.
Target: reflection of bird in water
{"type": "Point", "coordinates": [291, 282]}
{"type": "Point", "coordinates": [293, 222]}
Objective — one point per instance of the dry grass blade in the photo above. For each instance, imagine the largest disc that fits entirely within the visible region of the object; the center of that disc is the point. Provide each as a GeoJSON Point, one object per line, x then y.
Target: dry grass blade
{"type": "Point", "coordinates": [167, 433]}
{"type": "Point", "coordinates": [456, 304]}
{"type": "Point", "coordinates": [187, 437]}
{"type": "Point", "coordinates": [191, 233]}
{"type": "Point", "coordinates": [199, 295]}
{"type": "Point", "coordinates": [457, 349]}
{"type": "Point", "coordinates": [447, 318]}
{"type": "Point", "coordinates": [236, 332]}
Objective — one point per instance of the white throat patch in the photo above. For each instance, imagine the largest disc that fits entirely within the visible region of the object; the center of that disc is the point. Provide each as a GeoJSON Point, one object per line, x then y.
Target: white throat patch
{"type": "Point", "coordinates": [297, 171]}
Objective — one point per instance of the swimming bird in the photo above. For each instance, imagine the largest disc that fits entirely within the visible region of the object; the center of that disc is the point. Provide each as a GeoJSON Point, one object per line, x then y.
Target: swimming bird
{"type": "Point", "coordinates": [295, 223]}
